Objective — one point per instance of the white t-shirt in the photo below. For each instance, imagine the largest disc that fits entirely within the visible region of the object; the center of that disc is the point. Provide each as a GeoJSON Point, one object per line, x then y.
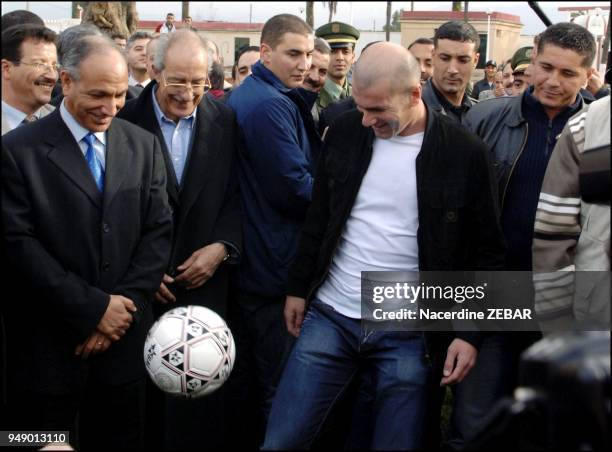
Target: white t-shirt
{"type": "Point", "coordinates": [381, 231]}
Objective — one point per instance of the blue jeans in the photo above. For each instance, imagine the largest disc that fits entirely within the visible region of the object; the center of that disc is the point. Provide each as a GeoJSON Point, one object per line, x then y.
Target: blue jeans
{"type": "Point", "coordinates": [328, 354]}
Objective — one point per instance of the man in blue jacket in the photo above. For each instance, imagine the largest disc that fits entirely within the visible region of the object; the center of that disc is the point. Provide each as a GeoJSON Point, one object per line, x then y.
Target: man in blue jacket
{"type": "Point", "coordinates": [276, 168]}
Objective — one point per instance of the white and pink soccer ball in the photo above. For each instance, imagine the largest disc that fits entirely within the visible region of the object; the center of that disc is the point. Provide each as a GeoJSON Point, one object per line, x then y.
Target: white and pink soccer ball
{"type": "Point", "coordinates": [189, 352]}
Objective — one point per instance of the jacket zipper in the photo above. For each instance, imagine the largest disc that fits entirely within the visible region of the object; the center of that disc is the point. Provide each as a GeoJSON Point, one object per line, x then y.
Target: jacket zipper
{"type": "Point", "coordinates": [514, 164]}
{"type": "Point", "coordinates": [548, 133]}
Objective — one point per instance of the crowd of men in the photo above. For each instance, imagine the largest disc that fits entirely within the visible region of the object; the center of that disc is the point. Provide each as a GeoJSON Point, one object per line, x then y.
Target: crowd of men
{"type": "Point", "coordinates": [133, 182]}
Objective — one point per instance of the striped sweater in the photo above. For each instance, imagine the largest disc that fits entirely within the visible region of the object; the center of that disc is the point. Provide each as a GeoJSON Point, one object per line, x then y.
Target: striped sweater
{"type": "Point", "coordinates": [571, 234]}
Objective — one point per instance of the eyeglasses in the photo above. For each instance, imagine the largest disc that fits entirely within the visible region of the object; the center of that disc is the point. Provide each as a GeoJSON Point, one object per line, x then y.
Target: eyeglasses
{"type": "Point", "coordinates": [41, 67]}
{"type": "Point", "coordinates": [195, 87]}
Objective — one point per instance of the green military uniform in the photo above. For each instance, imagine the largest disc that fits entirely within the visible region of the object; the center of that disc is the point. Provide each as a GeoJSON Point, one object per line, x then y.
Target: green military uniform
{"type": "Point", "coordinates": [338, 35]}
{"type": "Point", "coordinates": [331, 93]}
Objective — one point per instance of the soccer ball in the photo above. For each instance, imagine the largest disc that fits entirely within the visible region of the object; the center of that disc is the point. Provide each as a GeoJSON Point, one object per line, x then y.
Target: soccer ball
{"type": "Point", "coordinates": [189, 352]}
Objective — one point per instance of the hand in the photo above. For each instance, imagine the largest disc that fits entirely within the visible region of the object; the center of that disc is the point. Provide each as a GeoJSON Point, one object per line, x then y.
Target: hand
{"type": "Point", "coordinates": [595, 82]}
{"type": "Point", "coordinates": [96, 343]}
{"type": "Point", "coordinates": [163, 294]}
{"type": "Point", "coordinates": [460, 358]}
{"type": "Point", "coordinates": [201, 265]}
{"type": "Point", "coordinates": [499, 91]}
{"type": "Point", "coordinates": [294, 314]}
{"type": "Point", "coordinates": [118, 317]}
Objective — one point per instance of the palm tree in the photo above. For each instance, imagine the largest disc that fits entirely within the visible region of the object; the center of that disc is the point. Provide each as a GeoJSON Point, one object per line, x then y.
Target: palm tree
{"type": "Point", "coordinates": [388, 27]}
{"type": "Point", "coordinates": [333, 6]}
{"type": "Point", "coordinates": [465, 12]}
{"type": "Point", "coordinates": [185, 10]}
{"type": "Point", "coordinates": [310, 13]}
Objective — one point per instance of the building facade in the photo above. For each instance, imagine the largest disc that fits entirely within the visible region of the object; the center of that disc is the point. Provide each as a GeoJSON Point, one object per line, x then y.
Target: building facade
{"type": "Point", "coordinates": [229, 36]}
{"type": "Point", "coordinates": [504, 31]}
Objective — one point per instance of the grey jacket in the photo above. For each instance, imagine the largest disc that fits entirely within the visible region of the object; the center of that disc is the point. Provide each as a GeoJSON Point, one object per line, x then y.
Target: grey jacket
{"type": "Point", "coordinates": [500, 124]}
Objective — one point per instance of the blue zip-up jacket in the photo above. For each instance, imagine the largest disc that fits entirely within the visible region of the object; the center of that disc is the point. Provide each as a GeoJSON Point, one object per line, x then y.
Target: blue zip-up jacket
{"type": "Point", "coordinates": [276, 168]}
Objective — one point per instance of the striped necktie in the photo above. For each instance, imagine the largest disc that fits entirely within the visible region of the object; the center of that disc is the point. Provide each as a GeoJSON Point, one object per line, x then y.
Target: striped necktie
{"type": "Point", "coordinates": [92, 160]}
{"type": "Point", "coordinates": [28, 119]}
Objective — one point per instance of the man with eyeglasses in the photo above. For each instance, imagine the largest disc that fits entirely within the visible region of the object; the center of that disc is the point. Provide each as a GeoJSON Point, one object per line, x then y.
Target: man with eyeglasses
{"type": "Point", "coordinates": [198, 136]}
{"type": "Point", "coordinates": [29, 73]}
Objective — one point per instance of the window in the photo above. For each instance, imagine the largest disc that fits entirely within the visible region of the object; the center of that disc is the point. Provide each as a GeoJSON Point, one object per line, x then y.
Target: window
{"type": "Point", "coordinates": [482, 50]}
{"type": "Point", "coordinates": [238, 44]}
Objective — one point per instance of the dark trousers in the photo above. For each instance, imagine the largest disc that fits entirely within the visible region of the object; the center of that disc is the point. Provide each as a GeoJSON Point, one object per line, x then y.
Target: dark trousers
{"type": "Point", "coordinates": [109, 417]}
{"type": "Point", "coordinates": [262, 348]}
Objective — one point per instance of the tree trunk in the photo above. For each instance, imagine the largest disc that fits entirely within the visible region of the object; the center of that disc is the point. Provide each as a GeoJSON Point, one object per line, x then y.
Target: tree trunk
{"type": "Point", "coordinates": [184, 10]}
{"type": "Point", "coordinates": [465, 12]}
{"type": "Point", "coordinates": [75, 9]}
{"type": "Point", "coordinates": [388, 27]}
{"type": "Point", "coordinates": [111, 17]}
{"type": "Point", "coordinates": [310, 13]}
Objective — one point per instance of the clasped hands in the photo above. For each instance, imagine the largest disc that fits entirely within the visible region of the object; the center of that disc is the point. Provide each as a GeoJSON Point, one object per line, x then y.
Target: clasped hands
{"type": "Point", "coordinates": [114, 323]}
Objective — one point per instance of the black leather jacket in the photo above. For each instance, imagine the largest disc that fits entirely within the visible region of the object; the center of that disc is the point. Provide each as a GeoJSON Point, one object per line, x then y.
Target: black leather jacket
{"type": "Point", "coordinates": [458, 211]}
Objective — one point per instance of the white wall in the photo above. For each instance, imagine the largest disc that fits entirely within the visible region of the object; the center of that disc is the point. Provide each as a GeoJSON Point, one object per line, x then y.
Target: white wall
{"type": "Point", "coordinates": [366, 37]}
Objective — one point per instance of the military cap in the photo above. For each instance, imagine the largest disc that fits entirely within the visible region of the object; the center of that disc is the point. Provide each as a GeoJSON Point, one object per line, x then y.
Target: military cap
{"type": "Point", "coordinates": [338, 34]}
{"type": "Point", "coordinates": [521, 59]}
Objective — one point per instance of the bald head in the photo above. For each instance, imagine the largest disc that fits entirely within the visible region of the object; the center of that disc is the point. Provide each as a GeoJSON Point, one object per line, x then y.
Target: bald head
{"type": "Point", "coordinates": [387, 61]}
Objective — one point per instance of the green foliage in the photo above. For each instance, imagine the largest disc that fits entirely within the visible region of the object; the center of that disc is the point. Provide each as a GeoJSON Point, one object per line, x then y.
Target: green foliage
{"type": "Point", "coordinates": [395, 21]}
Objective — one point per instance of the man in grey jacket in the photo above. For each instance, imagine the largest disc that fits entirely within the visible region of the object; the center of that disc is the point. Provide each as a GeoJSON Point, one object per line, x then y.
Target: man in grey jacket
{"type": "Point", "coordinates": [522, 132]}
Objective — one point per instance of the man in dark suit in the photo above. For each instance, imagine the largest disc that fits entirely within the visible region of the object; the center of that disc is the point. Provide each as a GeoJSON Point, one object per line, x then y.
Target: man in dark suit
{"type": "Point", "coordinates": [87, 229]}
{"type": "Point", "coordinates": [198, 136]}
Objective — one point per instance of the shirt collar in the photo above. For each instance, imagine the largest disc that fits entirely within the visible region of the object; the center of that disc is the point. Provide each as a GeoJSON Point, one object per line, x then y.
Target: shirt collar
{"type": "Point", "coordinates": [160, 114]}
{"type": "Point", "coordinates": [333, 88]}
{"type": "Point", "coordinates": [15, 116]}
{"type": "Point", "coordinates": [534, 104]}
{"type": "Point", "coordinates": [259, 70]}
{"type": "Point", "coordinates": [133, 82]}
{"type": "Point", "coordinates": [465, 102]}
{"type": "Point", "coordinates": [77, 130]}
{"type": "Point", "coordinates": [12, 115]}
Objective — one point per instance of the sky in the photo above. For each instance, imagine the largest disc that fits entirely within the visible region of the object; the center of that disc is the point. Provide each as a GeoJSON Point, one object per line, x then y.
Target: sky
{"type": "Point", "coordinates": [365, 15]}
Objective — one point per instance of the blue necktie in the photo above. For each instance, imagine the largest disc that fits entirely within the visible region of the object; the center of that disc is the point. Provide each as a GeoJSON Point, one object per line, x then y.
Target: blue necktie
{"type": "Point", "coordinates": [92, 160]}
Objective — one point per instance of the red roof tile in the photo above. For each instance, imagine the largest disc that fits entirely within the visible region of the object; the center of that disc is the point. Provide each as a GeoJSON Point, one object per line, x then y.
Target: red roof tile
{"type": "Point", "coordinates": [458, 15]}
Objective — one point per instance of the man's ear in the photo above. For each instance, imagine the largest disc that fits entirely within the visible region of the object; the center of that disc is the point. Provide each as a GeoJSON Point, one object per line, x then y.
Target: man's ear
{"type": "Point", "coordinates": [264, 53]}
{"type": "Point", "coordinates": [6, 69]}
{"type": "Point", "coordinates": [589, 73]}
{"type": "Point", "coordinates": [157, 74]}
{"type": "Point", "coordinates": [66, 80]}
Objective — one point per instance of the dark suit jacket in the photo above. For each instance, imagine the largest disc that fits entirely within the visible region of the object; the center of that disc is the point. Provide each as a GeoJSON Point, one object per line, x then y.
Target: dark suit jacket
{"type": "Point", "coordinates": [207, 206]}
{"type": "Point", "coordinates": [329, 114]}
{"type": "Point", "coordinates": [70, 247]}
